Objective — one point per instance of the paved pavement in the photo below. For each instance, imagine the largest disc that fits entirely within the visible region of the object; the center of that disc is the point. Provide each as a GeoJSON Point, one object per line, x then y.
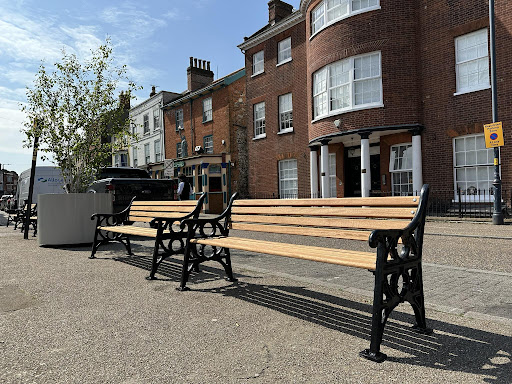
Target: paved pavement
{"type": "Point", "coordinates": [67, 319]}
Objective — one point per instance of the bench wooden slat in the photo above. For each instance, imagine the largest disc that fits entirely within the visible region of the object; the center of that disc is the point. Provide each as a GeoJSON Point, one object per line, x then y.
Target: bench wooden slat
{"type": "Point", "coordinates": [365, 260]}
{"type": "Point", "coordinates": [397, 213]}
{"type": "Point", "coordinates": [305, 231]}
{"type": "Point", "coordinates": [131, 230]}
{"type": "Point", "coordinates": [159, 208]}
{"type": "Point", "coordinates": [189, 203]}
{"type": "Point", "coordinates": [389, 201]}
{"type": "Point", "coordinates": [323, 222]}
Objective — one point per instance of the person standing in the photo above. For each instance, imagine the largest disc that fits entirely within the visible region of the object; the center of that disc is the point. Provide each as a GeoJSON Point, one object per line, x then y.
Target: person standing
{"type": "Point", "coordinates": [183, 188]}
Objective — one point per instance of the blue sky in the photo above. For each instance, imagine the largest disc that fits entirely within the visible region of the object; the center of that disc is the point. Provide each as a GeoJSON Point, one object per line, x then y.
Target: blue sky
{"type": "Point", "coordinates": [154, 39]}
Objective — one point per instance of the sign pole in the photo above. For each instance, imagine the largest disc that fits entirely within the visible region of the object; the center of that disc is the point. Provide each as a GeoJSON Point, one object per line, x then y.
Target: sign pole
{"type": "Point", "coordinates": [497, 215]}
{"type": "Point", "coordinates": [28, 211]}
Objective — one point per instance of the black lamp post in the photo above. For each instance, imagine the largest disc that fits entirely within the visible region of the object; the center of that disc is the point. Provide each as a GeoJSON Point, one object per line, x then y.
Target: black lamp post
{"type": "Point", "coordinates": [497, 215]}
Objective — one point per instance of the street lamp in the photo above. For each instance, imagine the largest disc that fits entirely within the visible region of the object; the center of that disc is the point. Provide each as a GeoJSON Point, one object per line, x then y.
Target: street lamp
{"type": "Point", "coordinates": [497, 215]}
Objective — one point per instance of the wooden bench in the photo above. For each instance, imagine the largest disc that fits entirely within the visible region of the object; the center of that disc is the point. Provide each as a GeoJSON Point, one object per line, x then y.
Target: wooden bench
{"type": "Point", "coordinates": [160, 218]}
{"type": "Point", "coordinates": [392, 225]}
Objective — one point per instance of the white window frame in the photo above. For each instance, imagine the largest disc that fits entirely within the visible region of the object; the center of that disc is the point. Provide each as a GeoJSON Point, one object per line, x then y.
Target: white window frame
{"type": "Point", "coordinates": [320, 18]}
{"type": "Point", "coordinates": [156, 119]}
{"type": "Point", "coordinates": [145, 119]}
{"type": "Point", "coordinates": [288, 173]}
{"type": "Point", "coordinates": [285, 113]}
{"type": "Point", "coordinates": [179, 152]}
{"type": "Point", "coordinates": [479, 163]}
{"type": "Point", "coordinates": [179, 119]}
{"type": "Point", "coordinates": [332, 175]}
{"type": "Point", "coordinates": [324, 89]}
{"type": "Point", "coordinates": [207, 110]}
{"type": "Point", "coordinates": [480, 59]}
{"type": "Point", "coordinates": [284, 51]}
{"type": "Point", "coordinates": [258, 63]}
{"type": "Point", "coordinates": [397, 166]}
{"type": "Point", "coordinates": [259, 120]}
{"type": "Point", "coordinates": [135, 157]}
{"type": "Point", "coordinates": [147, 153]}
{"type": "Point", "coordinates": [208, 144]}
{"type": "Point", "coordinates": [158, 150]}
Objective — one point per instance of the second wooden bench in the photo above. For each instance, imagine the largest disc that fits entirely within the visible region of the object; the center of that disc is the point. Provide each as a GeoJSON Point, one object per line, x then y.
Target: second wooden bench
{"type": "Point", "coordinates": [151, 219]}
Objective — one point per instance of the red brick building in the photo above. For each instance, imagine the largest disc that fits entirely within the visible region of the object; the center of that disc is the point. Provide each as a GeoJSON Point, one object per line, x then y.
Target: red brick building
{"type": "Point", "coordinates": [390, 93]}
{"type": "Point", "coordinates": [204, 130]}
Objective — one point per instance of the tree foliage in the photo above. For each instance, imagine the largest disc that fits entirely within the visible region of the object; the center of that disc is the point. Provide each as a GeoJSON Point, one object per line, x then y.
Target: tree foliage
{"type": "Point", "coordinates": [80, 121]}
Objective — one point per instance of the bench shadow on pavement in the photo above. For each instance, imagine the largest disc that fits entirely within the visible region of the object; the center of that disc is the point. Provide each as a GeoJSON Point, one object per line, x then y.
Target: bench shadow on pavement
{"type": "Point", "coordinates": [452, 347]}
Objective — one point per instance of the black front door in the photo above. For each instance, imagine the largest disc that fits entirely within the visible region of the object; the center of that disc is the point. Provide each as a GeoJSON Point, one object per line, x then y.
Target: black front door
{"type": "Point", "coordinates": [353, 175]}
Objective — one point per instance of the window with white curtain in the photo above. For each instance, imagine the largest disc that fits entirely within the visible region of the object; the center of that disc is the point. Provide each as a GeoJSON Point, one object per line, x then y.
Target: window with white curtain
{"type": "Point", "coordinates": [285, 113]}
{"type": "Point", "coordinates": [207, 109]}
{"type": "Point", "coordinates": [284, 51]}
{"type": "Point", "coordinates": [258, 63]}
{"type": "Point", "coordinates": [349, 84]}
{"type": "Point", "coordinates": [288, 184]}
{"type": "Point", "coordinates": [473, 166]}
{"type": "Point", "coordinates": [400, 167]}
{"type": "Point", "coordinates": [259, 120]}
{"type": "Point", "coordinates": [472, 62]}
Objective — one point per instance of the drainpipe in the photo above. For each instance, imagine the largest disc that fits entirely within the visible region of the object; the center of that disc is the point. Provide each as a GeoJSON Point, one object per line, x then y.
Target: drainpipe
{"type": "Point", "coordinates": [192, 141]}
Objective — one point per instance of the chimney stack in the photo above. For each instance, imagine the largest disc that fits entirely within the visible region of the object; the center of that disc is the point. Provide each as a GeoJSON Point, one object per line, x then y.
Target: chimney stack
{"type": "Point", "coordinates": [278, 10]}
{"type": "Point", "coordinates": [199, 74]}
{"type": "Point", "coordinates": [153, 91]}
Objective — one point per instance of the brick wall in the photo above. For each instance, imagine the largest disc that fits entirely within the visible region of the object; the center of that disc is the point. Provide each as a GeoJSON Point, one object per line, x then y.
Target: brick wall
{"type": "Point", "coordinates": [264, 154]}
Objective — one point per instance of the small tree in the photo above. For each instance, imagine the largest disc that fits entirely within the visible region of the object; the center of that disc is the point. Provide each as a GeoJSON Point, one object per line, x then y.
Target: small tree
{"type": "Point", "coordinates": [79, 120]}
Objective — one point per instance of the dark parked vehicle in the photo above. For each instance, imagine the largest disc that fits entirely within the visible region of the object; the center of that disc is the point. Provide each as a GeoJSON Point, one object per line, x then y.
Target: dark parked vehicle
{"type": "Point", "coordinates": [125, 183]}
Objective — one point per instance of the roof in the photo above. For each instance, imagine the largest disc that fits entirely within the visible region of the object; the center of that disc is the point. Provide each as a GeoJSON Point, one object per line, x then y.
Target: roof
{"type": "Point", "coordinates": [271, 30]}
{"type": "Point", "coordinates": [217, 84]}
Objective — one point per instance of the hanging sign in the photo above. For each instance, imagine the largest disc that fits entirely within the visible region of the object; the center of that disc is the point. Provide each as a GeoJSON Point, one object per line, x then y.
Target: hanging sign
{"type": "Point", "coordinates": [493, 135]}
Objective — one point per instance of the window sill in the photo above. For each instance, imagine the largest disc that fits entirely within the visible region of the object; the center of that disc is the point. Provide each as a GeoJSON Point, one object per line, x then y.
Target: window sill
{"type": "Point", "coordinates": [283, 132]}
{"type": "Point", "coordinates": [336, 113]}
{"type": "Point", "coordinates": [472, 90]}
{"type": "Point", "coordinates": [257, 74]}
{"type": "Point", "coordinates": [207, 121]}
{"type": "Point", "coordinates": [259, 137]}
{"type": "Point", "coordinates": [284, 62]}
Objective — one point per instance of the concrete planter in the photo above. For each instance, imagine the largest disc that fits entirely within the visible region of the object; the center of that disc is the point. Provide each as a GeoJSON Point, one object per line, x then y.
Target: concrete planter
{"type": "Point", "coordinates": [64, 219]}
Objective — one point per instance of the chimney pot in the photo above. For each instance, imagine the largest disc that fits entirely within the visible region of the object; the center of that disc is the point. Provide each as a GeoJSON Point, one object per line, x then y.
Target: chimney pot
{"type": "Point", "coordinates": [191, 61]}
{"type": "Point", "coordinates": [195, 63]}
{"type": "Point", "coordinates": [208, 65]}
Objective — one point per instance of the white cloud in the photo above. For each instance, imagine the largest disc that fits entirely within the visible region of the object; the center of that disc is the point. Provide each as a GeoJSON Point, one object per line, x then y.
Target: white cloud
{"type": "Point", "coordinates": [84, 39]}
{"type": "Point", "coordinates": [131, 21]}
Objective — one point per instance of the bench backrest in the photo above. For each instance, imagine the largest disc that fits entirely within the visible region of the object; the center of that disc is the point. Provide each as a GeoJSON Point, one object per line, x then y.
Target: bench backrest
{"type": "Point", "coordinates": [146, 211]}
{"type": "Point", "coordinates": [345, 218]}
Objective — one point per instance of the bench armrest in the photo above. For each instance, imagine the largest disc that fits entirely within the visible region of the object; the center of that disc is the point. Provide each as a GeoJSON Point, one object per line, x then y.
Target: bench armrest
{"type": "Point", "coordinates": [412, 235]}
{"type": "Point", "coordinates": [110, 219]}
{"type": "Point", "coordinates": [192, 215]}
{"type": "Point", "coordinates": [211, 226]}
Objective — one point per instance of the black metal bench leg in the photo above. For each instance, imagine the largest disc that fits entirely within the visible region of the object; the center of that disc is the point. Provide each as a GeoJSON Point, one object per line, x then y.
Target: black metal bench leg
{"type": "Point", "coordinates": [95, 244]}
{"type": "Point", "coordinates": [155, 264]}
{"type": "Point", "coordinates": [417, 301]}
{"type": "Point", "coordinates": [227, 266]}
{"type": "Point", "coordinates": [185, 271]}
{"type": "Point", "coordinates": [128, 245]}
{"type": "Point", "coordinates": [379, 312]}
